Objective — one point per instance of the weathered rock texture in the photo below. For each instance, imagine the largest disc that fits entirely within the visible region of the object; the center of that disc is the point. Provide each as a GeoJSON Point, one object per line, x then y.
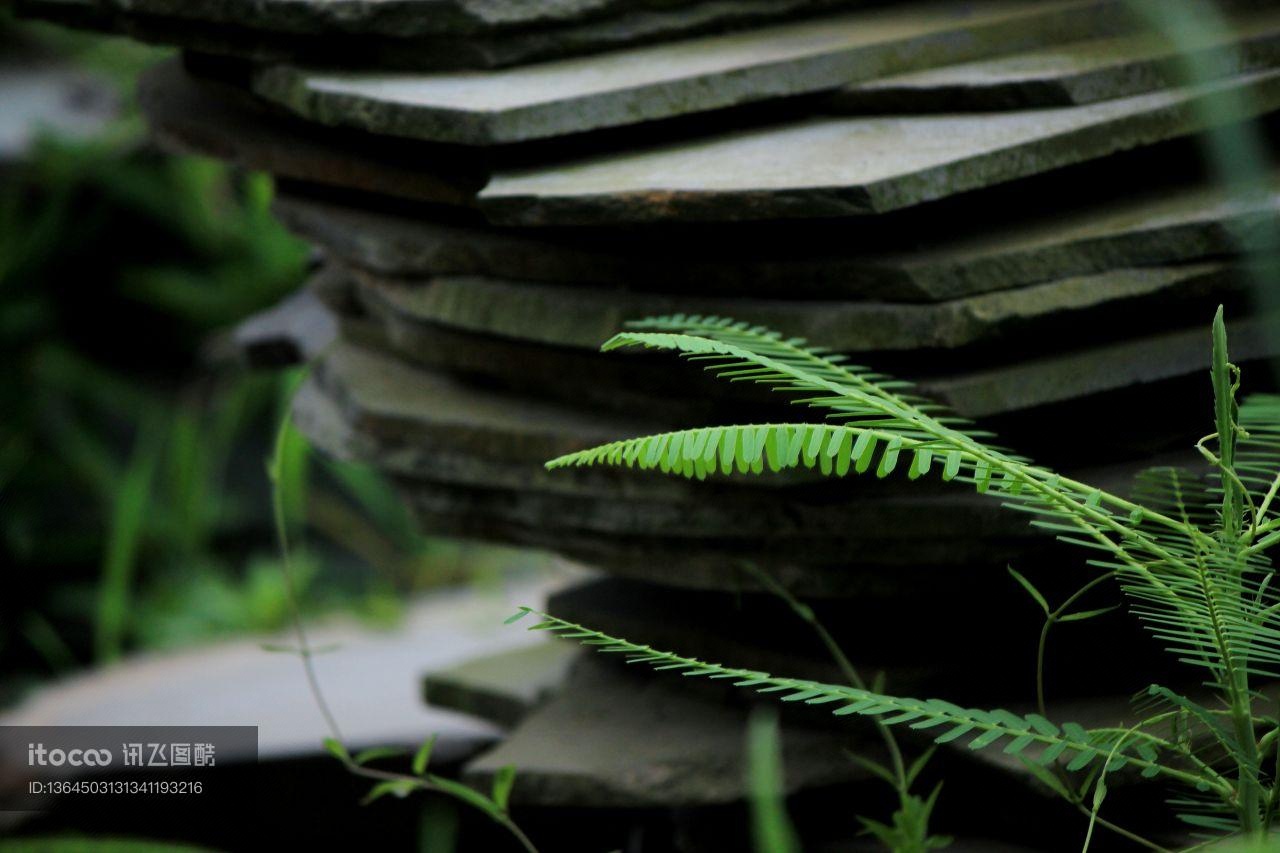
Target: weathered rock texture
{"type": "Point", "coordinates": [668, 80]}
{"type": "Point", "coordinates": [860, 166]}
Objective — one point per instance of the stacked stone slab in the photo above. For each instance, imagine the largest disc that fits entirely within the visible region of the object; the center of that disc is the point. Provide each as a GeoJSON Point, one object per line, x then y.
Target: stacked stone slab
{"type": "Point", "coordinates": [1001, 201]}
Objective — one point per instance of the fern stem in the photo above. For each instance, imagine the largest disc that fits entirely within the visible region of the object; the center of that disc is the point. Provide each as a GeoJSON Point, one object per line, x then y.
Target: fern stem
{"type": "Point", "coordinates": [1051, 619]}
{"type": "Point", "coordinates": [1259, 525]}
{"type": "Point", "coordinates": [847, 669]}
{"type": "Point", "coordinates": [275, 472]}
{"type": "Point", "coordinates": [1120, 830]}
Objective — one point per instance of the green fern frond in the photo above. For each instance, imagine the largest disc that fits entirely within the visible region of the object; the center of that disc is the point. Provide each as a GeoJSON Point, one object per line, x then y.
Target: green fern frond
{"type": "Point", "coordinates": [1258, 454]}
{"type": "Point", "coordinates": [1188, 550]}
{"type": "Point", "coordinates": [1214, 603]}
{"type": "Point", "coordinates": [796, 352]}
{"type": "Point", "coordinates": [881, 429]}
{"type": "Point", "coordinates": [979, 729]}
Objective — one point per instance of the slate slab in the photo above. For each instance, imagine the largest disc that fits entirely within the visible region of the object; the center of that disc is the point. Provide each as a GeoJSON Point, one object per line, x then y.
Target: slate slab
{"type": "Point", "coordinates": [1140, 228]}
{"type": "Point", "coordinates": [401, 48]}
{"type": "Point", "coordinates": [1143, 360]}
{"type": "Point", "coordinates": [613, 738]}
{"type": "Point", "coordinates": [696, 75]}
{"type": "Point", "coordinates": [415, 243]}
{"type": "Point", "coordinates": [439, 427]}
{"type": "Point", "coordinates": [404, 18]}
{"type": "Point", "coordinates": [1143, 229]}
{"type": "Point", "coordinates": [1079, 72]}
{"type": "Point", "coordinates": [1022, 394]}
{"type": "Point", "coordinates": [369, 679]}
{"type": "Point", "coordinates": [561, 374]}
{"type": "Point", "coordinates": [421, 425]}
{"type": "Point", "coordinates": [193, 115]}
{"type": "Point", "coordinates": [501, 688]}
{"type": "Point", "coordinates": [828, 167]}
{"type": "Point", "coordinates": [1105, 303]}
{"type": "Point", "coordinates": [758, 630]}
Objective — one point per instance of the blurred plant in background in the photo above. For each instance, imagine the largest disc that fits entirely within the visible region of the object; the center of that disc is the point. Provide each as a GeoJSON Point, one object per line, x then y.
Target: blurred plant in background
{"type": "Point", "coordinates": [131, 467]}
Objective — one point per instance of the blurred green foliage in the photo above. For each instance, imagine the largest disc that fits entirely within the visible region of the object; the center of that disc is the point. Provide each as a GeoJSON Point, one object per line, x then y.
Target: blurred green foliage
{"type": "Point", "coordinates": [134, 497]}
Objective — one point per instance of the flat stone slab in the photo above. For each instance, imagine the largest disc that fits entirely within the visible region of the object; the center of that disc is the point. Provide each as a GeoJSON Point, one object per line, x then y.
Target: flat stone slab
{"type": "Point", "coordinates": [502, 688]}
{"type": "Point", "coordinates": [627, 87]}
{"type": "Point", "coordinates": [726, 627]}
{"type": "Point", "coordinates": [1144, 360]}
{"type": "Point", "coordinates": [1142, 228]}
{"type": "Point", "coordinates": [1161, 358]}
{"type": "Point", "coordinates": [251, 37]}
{"type": "Point", "coordinates": [195, 116]}
{"type": "Point", "coordinates": [368, 405]}
{"type": "Point", "coordinates": [369, 678]}
{"type": "Point", "coordinates": [471, 475]}
{"type": "Point", "coordinates": [828, 167]}
{"type": "Point", "coordinates": [426, 427]}
{"type": "Point", "coordinates": [615, 738]}
{"type": "Point", "coordinates": [586, 317]}
{"type": "Point", "coordinates": [1079, 72]}
{"type": "Point", "coordinates": [405, 18]}
{"type": "Point", "coordinates": [819, 567]}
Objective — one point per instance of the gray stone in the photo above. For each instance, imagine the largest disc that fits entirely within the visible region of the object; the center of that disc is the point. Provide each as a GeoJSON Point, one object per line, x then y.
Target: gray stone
{"type": "Point", "coordinates": [559, 374]}
{"type": "Point", "coordinates": [195, 116]}
{"type": "Point", "coordinates": [405, 244]}
{"type": "Point", "coordinates": [366, 405]}
{"type": "Point", "coordinates": [1079, 72]}
{"type": "Point", "coordinates": [247, 38]}
{"type": "Point", "coordinates": [1143, 360]}
{"type": "Point", "coordinates": [405, 18]}
{"type": "Point", "coordinates": [501, 688]}
{"type": "Point", "coordinates": [1144, 229]}
{"type": "Point", "coordinates": [368, 677]}
{"type": "Point", "coordinates": [1140, 229]}
{"type": "Point", "coordinates": [1150, 360]}
{"type": "Point", "coordinates": [832, 567]}
{"type": "Point", "coordinates": [586, 317]}
{"type": "Point", "coordinates": [640, 84]}
{"type": "Point", "coordinates": [471, 464]}
{"type": "Point", "coordinates": [616, 738]}
{"type": "Point", "coordinates": [421, 425]}
{"type": "Point", "coordinates": [853, 166]}
{"type": "Point", "coordinates": [761, 631]}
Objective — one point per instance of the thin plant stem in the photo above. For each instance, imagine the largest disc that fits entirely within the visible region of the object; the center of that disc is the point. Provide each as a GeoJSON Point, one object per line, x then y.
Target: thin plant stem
{"type": "Point", "coordinates": [307, 655]}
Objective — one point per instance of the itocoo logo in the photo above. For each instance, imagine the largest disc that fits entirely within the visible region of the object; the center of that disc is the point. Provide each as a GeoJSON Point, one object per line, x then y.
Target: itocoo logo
{"type": "Point", "coordinates": [38, 756]}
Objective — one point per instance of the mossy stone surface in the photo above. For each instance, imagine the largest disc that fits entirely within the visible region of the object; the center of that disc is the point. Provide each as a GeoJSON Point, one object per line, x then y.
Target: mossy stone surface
{"type": "Point", "coordinates": [680, 78]}
{"type": "Point", "coordinates": [614, 737]}
{"type": "Point", "coordinates": [366, 42]}
{"type": "Point", "coordinates": [1078, 72]}
{"type": "Point", "coordinates": [403, 18]}
{"type": "Point", "coordinates": [585, 317]}
{"type": "Point", "coordinates": [831, 167]}
{"type": "Point", "coordinates": [190, 115]}
{"type": "Point", "coordinates": [501, 688]}
{"type": "Point", "coordinates": [1140, 228]}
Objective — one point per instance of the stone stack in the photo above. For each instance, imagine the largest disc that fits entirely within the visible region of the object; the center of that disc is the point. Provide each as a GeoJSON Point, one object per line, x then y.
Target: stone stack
{"type": "Point", "coordinates": [1001, 201]}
